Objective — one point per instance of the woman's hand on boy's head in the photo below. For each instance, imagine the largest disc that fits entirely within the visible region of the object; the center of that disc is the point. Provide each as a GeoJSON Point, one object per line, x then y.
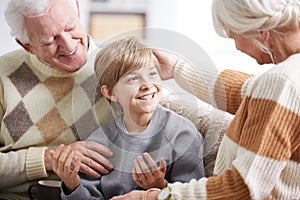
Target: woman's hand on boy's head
{"type": "Point", "coordinates": [167, 62]}
{"type": "Point", "coordinates": [146, 177]}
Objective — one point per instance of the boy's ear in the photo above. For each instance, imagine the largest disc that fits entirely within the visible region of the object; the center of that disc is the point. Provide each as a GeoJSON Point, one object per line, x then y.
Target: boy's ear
{"type": "Point", "coordinates": [27, 47]}
{"type": "Point", "coordinates": [108, 93]}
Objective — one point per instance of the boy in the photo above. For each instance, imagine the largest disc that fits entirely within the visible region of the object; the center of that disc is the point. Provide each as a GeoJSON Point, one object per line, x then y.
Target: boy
{"type": "Point", "coordinates": [129, 79]}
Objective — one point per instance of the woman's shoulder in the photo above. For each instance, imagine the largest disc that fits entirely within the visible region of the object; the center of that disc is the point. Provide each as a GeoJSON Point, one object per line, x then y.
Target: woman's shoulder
{"type": "Point", "coordinates": [280, 82]}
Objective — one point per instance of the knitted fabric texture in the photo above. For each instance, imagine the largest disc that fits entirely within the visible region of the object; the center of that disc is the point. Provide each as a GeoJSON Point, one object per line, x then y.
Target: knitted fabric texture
{"type": "Point", "coordinates": [259, 157]}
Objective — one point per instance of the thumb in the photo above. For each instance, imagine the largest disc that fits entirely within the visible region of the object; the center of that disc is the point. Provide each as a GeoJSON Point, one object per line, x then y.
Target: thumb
{"type": "Point", "coordinates": [51, 153]}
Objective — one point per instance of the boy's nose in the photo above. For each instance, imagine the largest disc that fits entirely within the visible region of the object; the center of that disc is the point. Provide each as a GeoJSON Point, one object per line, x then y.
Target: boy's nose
{"type": "Point", "coordinates": [147, 85]}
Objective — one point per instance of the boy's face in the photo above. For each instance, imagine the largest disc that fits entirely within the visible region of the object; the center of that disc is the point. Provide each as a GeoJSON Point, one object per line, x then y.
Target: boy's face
{"type": "Point", "coordinates": [139, 91]}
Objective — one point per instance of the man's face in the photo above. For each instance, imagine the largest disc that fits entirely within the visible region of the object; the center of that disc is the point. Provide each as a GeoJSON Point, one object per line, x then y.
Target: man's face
{"type": "Point", "coordinates": [58, 37]}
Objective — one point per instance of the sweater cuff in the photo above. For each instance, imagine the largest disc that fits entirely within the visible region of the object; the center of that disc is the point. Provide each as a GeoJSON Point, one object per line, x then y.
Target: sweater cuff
{"type": "Point", "coordinates": [178, 70]}
{"type": "Point", "coordinates": [35, 166]}
{"type": "Point", "coordinates": [195, 189]}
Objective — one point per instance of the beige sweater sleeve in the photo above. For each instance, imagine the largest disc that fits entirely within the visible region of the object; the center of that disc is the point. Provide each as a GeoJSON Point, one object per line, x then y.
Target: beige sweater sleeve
{"type": "Point", "coordinates": [223, 90]}
{"type": "Point", "coordinates": [22, 165]}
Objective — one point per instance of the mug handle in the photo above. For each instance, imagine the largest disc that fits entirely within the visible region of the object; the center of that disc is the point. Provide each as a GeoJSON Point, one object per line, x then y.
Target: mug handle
{"type": "Point", "coordinates": [29, 191]}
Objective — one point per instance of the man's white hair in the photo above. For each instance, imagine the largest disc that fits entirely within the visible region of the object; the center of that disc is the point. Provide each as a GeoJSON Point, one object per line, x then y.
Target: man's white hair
{"type": "Point", "coordinates": [18, 9]}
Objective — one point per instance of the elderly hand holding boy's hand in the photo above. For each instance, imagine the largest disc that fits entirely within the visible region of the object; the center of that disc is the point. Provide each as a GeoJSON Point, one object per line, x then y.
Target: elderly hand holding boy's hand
{"type": "Point", "coordinates": [66, 164]}
{"type": "Point", "coordinates": [93, 157]}
{"type": "Point", "coordinates": [85, 156]}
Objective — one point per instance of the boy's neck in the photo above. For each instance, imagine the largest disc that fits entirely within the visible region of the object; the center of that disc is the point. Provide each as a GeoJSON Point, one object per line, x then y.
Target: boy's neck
{"type": "Point", "coordinates": [136, 124]}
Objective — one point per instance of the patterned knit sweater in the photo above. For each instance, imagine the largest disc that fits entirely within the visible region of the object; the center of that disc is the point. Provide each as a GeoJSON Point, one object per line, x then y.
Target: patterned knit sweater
{"type": "Point", "coordinates": [41, 107]}
{"type": "Point", "coordinates": [259, 157]}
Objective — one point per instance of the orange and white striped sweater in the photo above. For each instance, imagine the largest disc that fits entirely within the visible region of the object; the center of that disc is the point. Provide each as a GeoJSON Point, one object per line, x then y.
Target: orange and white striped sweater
{"type": "Point", "coordinates": [259, 157]}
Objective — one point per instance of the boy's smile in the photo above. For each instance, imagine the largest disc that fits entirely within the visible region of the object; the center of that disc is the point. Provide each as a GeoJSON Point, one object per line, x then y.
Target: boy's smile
{"type": "Point", "coordinates": [138, 92]}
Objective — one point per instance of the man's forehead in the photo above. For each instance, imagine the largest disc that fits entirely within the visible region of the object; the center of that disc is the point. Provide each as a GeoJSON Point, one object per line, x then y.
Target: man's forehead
{"type": "Point", "coordinates": [69, 24]}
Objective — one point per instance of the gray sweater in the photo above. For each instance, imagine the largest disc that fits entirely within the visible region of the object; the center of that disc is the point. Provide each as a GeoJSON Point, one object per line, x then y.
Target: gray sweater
{"type": "Point", "coordinates": [168, 135]}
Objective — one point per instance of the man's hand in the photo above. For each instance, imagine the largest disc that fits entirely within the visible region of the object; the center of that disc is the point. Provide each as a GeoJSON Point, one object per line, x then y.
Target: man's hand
{"type": "Point", "coordinates": [66, 165]}
{"type": "Point", "coordinates": [48, 159]}
{"type": "Point", "coordinates": [93, 158]}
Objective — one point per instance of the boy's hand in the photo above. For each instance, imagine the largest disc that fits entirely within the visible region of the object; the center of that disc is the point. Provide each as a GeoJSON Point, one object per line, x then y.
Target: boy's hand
{"type": "Point", "coordinates": [66, 165]}
{"type": "Point", "coordinates": [149, 178]}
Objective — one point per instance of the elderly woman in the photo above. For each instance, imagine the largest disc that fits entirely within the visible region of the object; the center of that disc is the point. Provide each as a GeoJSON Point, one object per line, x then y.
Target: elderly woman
{"type": "Point", "coordinates": [259, 157]}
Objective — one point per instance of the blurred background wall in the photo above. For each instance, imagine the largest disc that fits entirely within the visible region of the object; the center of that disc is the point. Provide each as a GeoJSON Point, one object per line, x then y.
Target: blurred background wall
{"type": "Point", "coordinates": [191, 18]}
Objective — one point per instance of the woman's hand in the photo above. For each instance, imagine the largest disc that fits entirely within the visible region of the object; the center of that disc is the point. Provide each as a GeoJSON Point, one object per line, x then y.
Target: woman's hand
{"type": "Point", "coordinates": [149, 178]}
{"type": "Point", "coordinates": [137, 195]}
{"type": "Point", "coordinates": [167, 63]}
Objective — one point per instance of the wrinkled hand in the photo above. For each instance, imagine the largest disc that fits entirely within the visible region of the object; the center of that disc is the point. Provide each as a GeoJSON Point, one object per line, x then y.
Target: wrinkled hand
{"type": "Point", "coordinates": [93, 158]}
{"type": "Point", "coordinates": [134, 194]}
{"type": "Point", "coordinates": [167, 62]}
{"type": "Point", "coordinates": [48, 159]}
{"type": "Point", "coordinates": [137, 195]}
{"type": "Point", "coordinates": [66, 164]}
{"type": "Point", "coordinates": [149, 178]}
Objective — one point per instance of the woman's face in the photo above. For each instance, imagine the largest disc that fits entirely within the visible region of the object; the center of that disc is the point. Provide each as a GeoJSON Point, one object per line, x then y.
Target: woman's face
{"type": "Point", "coordinates": [248, 46]}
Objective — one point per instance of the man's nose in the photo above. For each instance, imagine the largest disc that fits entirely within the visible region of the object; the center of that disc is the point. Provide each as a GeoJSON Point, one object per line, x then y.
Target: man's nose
{"type": "Point", "coordinates": [65, 42]}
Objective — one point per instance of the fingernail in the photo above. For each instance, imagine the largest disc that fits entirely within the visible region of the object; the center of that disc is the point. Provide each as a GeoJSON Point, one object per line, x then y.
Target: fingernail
{"type": "Point", "coordinates": [110, 165]}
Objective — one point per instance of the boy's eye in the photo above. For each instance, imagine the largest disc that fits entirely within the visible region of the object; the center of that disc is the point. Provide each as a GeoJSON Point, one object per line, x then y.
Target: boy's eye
{"type": "Point", "coordinates": [133, 78]}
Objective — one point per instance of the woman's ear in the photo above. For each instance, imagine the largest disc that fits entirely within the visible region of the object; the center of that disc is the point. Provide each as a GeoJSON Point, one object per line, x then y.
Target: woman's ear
{"type": "Point", "coordinates": [265, 36]}
{"type": "Point", "coordinates": [108, 93]}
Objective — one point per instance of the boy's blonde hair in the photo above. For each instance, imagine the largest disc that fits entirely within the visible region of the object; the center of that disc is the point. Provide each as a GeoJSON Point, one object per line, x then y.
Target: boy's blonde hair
{"type": "Point", "coordinates": [119, 57]}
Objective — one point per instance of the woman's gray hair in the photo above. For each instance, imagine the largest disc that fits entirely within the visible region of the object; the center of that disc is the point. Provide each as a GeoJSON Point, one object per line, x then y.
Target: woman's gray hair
{"type": "Point", "coordinates": [18, 9]}
{"type": "Point", "coordinates": [247, 17]}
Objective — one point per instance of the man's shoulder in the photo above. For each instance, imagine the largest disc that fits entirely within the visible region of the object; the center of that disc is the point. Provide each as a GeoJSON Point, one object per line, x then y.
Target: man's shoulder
{"type": "Point", "coordinates": [12, 58]}
{"type": "Point", "coordinates": [13, 54]}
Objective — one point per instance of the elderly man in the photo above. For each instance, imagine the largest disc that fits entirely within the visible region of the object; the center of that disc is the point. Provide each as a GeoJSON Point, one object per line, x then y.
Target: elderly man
{"type": "Point", "coordinates": [47, 95]}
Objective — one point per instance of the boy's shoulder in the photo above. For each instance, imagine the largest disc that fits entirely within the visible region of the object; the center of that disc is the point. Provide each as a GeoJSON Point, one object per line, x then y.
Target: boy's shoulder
{"type": "Point", "coordinates": [171, 115]}
{"type": "Point", "coordinates": [175, 123]}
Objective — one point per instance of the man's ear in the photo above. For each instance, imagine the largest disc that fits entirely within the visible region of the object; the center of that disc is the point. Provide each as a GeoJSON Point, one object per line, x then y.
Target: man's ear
{"type": "Point", "coordinates": [78, 10]}
{"type": "Point", "coordinates": [27, 46]}
{"type": "Point", "coordinates": [108, 93]}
